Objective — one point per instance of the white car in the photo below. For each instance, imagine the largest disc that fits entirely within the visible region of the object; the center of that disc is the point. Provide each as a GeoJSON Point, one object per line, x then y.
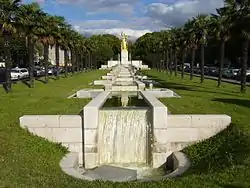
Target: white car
{"type": "Point", "coordinates": [19, 73]}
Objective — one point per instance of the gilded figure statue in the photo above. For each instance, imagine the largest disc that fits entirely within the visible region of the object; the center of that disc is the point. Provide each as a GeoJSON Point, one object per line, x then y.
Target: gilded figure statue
{"type": "Point", "coordinates": [124, 45]}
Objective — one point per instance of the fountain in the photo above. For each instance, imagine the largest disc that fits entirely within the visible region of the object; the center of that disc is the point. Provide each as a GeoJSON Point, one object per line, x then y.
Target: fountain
{"type": "Point", "coordinates": [124, 133]}
{"type": "Point", "coordinates": [124, 99]}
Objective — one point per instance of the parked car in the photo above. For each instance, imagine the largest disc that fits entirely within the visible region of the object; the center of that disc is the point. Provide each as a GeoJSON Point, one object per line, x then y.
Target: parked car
{"type": "Point", "coordinates": [50, 70]}
{"type": "Point", "coordinates": [197, 70]}
{"type": "Point", "coordinates": [39, 71]}
{"type": "Point", "coordinates": [19, 73]}
{"type": "Point", "coordinates": [213, 71]}
{"type": "Point", "coordinates": [225, 73]}
{"type": "Point", "coordinates": [232, 73]}
{"type": "Point", "coordinates": [238, 77]}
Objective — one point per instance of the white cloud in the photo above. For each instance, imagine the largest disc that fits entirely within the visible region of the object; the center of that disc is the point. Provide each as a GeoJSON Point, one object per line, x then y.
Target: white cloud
{"type": "Point", "coordinates": [178, 13]}
{"type": "Point", "coordinates": [134, 27]}
{"type": "Point", "coordinates": [124, 7]}
{"type": "Point", "coordinates": [155, 16]}
{"type": "Point", "coordinates": [132, 34]}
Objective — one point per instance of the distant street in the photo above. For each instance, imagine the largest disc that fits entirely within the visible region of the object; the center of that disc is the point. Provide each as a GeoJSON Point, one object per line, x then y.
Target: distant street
{"type": "Point", "coordinates": [231, 81]}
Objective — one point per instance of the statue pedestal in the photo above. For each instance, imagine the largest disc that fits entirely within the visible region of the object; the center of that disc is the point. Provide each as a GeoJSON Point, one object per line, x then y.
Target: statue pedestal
{"type": "Point", "coordinates": [124, 57]}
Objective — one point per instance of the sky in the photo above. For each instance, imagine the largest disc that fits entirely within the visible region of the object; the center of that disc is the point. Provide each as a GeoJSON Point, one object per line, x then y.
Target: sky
{"type": "Point", "coordinates": [134, 17]}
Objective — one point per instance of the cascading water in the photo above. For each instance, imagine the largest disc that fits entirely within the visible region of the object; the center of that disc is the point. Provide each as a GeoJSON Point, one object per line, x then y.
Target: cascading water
{"type": "Point", "coordinates": [123, 136]}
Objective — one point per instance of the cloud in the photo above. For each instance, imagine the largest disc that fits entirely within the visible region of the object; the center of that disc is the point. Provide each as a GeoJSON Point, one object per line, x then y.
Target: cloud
{"type": "Point", "coordinates": [134, 28]}
{"type": "Point", "coordinates": [157, 16]}
{"type": "Point", "coordinates": [124, 7]}
{"type": "Point", "coordinates": [135, 17]}
{"type": "Point", "coordinates": [177, 13]}
{"type": "Point", "coordinates": [132, 33]}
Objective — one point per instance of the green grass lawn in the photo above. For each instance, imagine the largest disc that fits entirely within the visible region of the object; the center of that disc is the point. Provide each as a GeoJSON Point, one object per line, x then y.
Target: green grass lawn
{"type": "Point", "coordinates": [30, 161]}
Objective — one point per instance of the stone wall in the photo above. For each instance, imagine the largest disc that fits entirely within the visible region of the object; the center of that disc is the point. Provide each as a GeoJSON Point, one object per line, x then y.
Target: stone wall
{"type": "Point", "coordinates": [65, 129]}
{"type": "Point", "coordinates": [184, 130]}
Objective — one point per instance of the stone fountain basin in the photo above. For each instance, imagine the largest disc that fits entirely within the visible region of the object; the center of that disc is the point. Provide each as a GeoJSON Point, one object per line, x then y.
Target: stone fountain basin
{"type": "Point", "coordinates": [162, 92]}
{"type": "Point", "coordinates": [177, 162]}
{"type": "Point", "coordinates": [88, 93]}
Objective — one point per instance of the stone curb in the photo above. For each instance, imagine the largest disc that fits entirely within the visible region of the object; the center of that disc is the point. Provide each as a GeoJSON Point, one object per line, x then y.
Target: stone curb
{"type": "Point", "coordinates": [182, 163]}
{"type": "Point", "coordinates": [69, 163]}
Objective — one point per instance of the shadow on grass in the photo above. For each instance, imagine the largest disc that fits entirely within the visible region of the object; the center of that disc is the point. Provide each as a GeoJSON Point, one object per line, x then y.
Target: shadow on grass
{"type": "Point", "coordinates": [231, 186]}
{"type": "Point", "coordinates": [41, 80]}
{"type": "Point", "coordinates": [187, 87]}
{"type": "Point", "coordinates": [224, 150]}
{"type": "Point", "coordinates": [239, 102]}
{"type": "Point", "coordinates": [25, 82]}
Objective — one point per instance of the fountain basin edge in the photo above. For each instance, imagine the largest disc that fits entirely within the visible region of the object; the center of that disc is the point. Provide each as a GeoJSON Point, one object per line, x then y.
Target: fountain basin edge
{"type": "Point", "coordinates": [178, 161]}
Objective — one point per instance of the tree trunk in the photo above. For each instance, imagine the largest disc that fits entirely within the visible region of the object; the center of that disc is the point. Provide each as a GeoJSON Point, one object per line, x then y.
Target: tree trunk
{"type": "Point", "coordinates": [244, 66]}
{"type": "Point", "coordinates": [91, 61]}
{"type": "Point", "coordinates": [7, 57]}
{"type": "Point", "coordinates": [167, 60]}
{"type": "Point", "coordinates": [164, 61]}
{"type": "Point", "coordinates": [182, 63]}
{"type": "Point", "coordinates": [81, 61]}
{"type": "Point", "coordinates": [175, 63]}
{"type": "Point", "coordinates": [57, 60]}
{"type": "Point", "coordinates": [73, 60]}
{"type": "Point", "coordinates": [78, 62]}
{"type": "Point", "coordinates": [202, 62]}
{"type": "Point", "coordinates": [66, 61]}
{"type": "Point", "coordinates": [31, 61]}
{"type": "Point", "coordinates": [192, 64]}
{"type": "Point", "coordinates": [171, 61]}
{"type": "Point", "coordinates": [222, 55]}
{"type": "Point", "coordinates": [46, 61]}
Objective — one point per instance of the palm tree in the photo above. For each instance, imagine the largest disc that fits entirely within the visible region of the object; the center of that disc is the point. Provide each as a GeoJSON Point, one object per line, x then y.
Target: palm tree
{"type": "Point", "coordinates": [47, 39]}
{"type": "Point", "coordinates": [182, 42]}
{"type": "Point", "coordinates": [201, 26]}
{"type": "Point", "coordinates": [221, 25]}
{"type": "Point", "coordinates": [8, 15]}
{"type": "Point", "coordinates": [241, 14]}
{"type": "Point", "coordinates": [31, 18]}
{"type": "Point", "coordinates": [65, 32]}
{"type": "Point", "coordinates": [58, 23]}
{"type": "Point", "coordinates": [189, 28]}
{"type": "Point", "coordinates": [166, 43]}
{"type": "Point", "coordinates": [174, 41]}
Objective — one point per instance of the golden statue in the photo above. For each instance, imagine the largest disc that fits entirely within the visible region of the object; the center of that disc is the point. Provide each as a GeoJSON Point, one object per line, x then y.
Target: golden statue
{"type": "Point", "coordinates": [124, 45]}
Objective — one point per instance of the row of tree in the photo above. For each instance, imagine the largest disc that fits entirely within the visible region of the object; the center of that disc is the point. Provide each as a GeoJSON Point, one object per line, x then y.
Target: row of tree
{"type": "Point", "coordinates": [26, 29]}
{"type": "Point", "coordinates": [204, 39]}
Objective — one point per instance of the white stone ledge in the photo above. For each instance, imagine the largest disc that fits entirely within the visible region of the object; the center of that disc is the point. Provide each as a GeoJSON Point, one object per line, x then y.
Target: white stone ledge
{"type": "Point", "coordinates": [42, 121]}
{"type": "Point", "coordinates": [164, 136]}
{"type": "Point", "coordinates": [99, 100]}
{"type": "Point", "coordinates": [159, 110]}
{"type": "Point", "coordinates": [198, 121]}
{"type": "Point", "coordinates": [59, 135]}
{"type": "Point", "coordinates": [91, 110]}
{"type": "Point", "coordinates": [101, 82]}
{"type": "Point", "coordinates": [90, 136]}
{"type": "Point", "coordinates": [140, 85]}
{"type": "Point", "coordinates": [161, 93]}
{"type": "Point", "coordinates": [152, 101]}
{"type": "Point", "coordinates": [88, 93]}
